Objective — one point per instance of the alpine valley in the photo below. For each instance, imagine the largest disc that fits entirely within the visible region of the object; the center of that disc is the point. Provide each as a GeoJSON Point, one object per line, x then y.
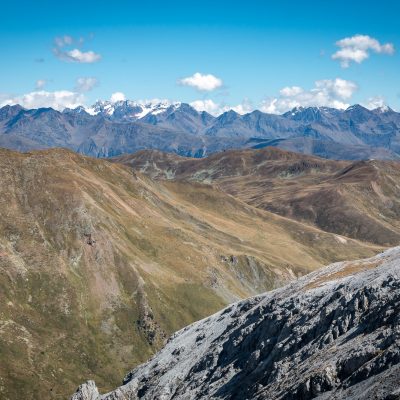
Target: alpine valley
{"type": "Point", "coordinates": [103, 258]}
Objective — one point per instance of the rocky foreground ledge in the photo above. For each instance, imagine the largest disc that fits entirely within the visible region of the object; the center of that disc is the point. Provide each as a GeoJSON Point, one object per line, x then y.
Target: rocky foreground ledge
{"type": "Point", "coordinates": [333, 334]}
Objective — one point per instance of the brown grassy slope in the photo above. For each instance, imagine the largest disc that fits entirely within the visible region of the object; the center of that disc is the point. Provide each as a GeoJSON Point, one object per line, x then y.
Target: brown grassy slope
{"type": "Point", "coordinates": [269, 161]}
{"type": "Point", "coordinates": [99, 264]}
{"type": "Point", "coordinates": [360, 199]}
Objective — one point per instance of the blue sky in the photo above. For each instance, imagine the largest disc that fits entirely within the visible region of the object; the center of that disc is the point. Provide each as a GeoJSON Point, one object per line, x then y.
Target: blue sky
{"type": "Point", "coordinates": [263, 54]}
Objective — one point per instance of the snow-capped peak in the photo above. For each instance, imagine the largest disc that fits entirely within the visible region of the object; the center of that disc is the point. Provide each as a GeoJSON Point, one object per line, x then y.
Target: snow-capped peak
{"type": "Point", "coordinates": [155, 106]}
{"type": "Point", "coordinates": [129, 109]}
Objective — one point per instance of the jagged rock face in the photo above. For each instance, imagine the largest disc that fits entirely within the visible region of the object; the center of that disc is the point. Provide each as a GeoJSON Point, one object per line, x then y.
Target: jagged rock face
{"type": "Point", "coordinates": [87, 391]}
{"type": "Point", "coordinates": [334, 334]}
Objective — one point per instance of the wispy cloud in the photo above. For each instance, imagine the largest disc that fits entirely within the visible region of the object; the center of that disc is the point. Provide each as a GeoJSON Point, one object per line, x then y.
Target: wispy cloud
{"type": "Point", "coordinates": [207, 105]}
{"type": "Point", "coordinates": [75, 55]}
{"type": "Point", "coordinates": [357, 48]}
{"type": "Point", "coordinates": [40, 84]}
{"type": "Point", "coordinates": [62, 41]}
{"type": "Point", "coordinates": [58, 100]}
{"type": "Point", "coordinates": [66, 49]}
{"type": "Point", "coordinates": [202, 82]}
{"type": "Point", "coordinates": [215, 108]}
{"type": "Point", "coordinates": [375, 102]}
{"type": "Point", "coordinates": [86, 84]}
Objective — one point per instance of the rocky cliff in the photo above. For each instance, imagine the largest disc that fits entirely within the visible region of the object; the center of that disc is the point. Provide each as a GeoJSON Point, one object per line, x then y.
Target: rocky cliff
{"type": "Point", "coordinates": [333, 334]}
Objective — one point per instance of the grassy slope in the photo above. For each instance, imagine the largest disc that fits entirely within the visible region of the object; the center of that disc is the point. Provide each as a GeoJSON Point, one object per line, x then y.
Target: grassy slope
{"type": "Point", "coordinates": [355, 199]}
{"type": "Point", "coordinates": [165, 254]}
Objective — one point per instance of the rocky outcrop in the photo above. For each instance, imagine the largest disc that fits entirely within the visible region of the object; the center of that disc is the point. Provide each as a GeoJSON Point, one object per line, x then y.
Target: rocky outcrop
{"type": "Point", "coordinates": [86, 391]}
{"type": "Point", "coordinates": [333, 334]}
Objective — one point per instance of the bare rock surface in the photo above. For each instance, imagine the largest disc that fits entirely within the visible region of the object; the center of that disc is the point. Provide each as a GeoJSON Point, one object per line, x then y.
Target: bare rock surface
{"type": "Point", "coordinates": [333, 334]}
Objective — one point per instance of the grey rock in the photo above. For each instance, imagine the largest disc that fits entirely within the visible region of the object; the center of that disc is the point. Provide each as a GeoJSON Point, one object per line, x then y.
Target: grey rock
{"type": "Point", "coordinates": [86, 391]}
{"type": "Point", "coordinates": [333, 334]}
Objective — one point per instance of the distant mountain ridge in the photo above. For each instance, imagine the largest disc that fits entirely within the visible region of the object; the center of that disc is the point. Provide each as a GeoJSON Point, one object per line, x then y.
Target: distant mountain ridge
{"type": "Point", "coordinates": [112, 128]}
{"type": "Point", "coordinates": [358, 199]}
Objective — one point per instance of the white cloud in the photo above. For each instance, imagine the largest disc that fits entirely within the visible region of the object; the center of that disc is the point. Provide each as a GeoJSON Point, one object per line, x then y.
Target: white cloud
{"type": "Point", "coordinates": [85, 84]}
{"type": "Point", "coordinates": [326, 92]}
{"type": "Point", "coordinates": [83, 57]}
{"type": "Point", "coordinates": [207, 105]}
{"type": "Point", "coordinates": [216, 109]}
{"type": "Point", "coordinates": [117, 96]}
{"type": "Point", "coordinates": [202, 82]}
{"type": "Point", "coordinates": [374, 102]}
{"type": "Point", "coordinates": [338, 87]}
{"type": "Point", "coordinates": [74, 54]}
{"type": "Point", "coordinates": [291, 91]}
{"type": "Point", "coordinates": [4, 98]}
{"type": "Point", "coordinates": [58, 100]}
{"type": "Point", "coordinates": [40, 84]}
{"type": "Point", "coordinates": [357, 49]}
{"type": "Point", "coordinates": [243, 108]}
{"type": "Point", "coordinates": [62, 41]}
{"type": "Point", "coordinates": [271, 106]}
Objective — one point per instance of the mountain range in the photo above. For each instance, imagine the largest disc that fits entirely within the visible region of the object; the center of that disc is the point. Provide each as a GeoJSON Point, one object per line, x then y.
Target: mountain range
{"type": "Point", "coordinates": [113, 128]}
